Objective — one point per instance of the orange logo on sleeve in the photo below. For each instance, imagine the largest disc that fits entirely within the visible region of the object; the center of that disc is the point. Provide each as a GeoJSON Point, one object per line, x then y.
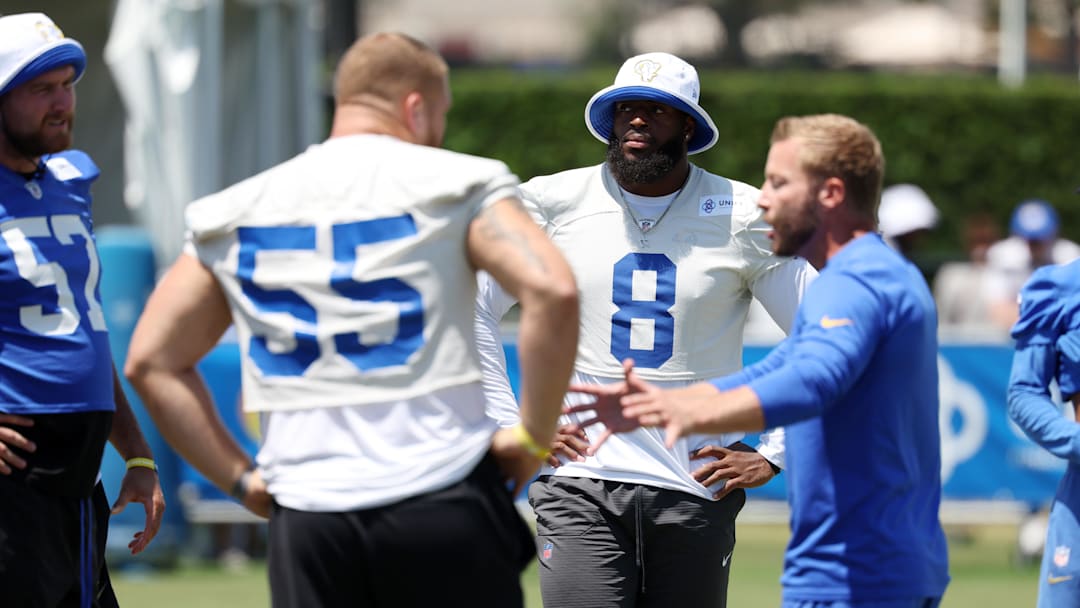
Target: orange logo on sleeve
{"type": "Point", "coordinates": [828, 322]}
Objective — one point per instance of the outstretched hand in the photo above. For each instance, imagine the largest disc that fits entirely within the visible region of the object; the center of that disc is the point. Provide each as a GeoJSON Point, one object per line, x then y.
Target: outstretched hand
{"type": "Point", "coordinates": [607, 405]}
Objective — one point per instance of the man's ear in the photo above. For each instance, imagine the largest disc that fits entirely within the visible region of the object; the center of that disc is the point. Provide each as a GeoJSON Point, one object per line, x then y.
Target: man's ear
{"type": "Point", "coordinates": [688, 129]}
{"type": "Point", "coordinates": [831, 193]}
{"type": "Point", "coordinates": [415, 115]}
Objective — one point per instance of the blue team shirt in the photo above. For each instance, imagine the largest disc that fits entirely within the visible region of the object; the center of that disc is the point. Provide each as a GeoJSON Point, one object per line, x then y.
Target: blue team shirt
{"type": "Point", "coordinates": [54, 348]}
{"type": "Point", "coordinates": [856, 386]}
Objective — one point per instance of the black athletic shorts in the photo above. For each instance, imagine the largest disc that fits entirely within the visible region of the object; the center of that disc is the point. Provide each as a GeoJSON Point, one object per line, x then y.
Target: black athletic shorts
{"type": "Point", "coordinates": [464, 545]}
{"type": "Point", "coordinates": [54, 517]}
{"type": "Point", "coordinates": [52, 549]}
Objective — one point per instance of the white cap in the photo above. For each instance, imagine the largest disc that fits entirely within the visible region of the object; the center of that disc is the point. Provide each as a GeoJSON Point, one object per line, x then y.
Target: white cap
{"type": "Point", "coordinates": [30, 45]}
{"type": "Point", "coordinates": [659, 77]}
{"type": "Point", "coordinates": [905, 208]}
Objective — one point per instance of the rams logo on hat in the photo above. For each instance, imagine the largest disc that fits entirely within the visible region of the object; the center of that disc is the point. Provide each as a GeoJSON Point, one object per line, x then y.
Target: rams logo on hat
{"type": "Point", "coordinates": [647, 70]}
{"type": "Point", "coordinates": [48, 30]}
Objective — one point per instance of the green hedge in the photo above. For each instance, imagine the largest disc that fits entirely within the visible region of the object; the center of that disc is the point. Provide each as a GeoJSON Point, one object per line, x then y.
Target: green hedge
{"type": "Point", "coordinates": [971, 144]}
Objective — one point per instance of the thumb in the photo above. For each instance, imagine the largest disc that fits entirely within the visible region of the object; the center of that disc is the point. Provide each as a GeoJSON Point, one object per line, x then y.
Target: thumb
{"type": "Point", "coordinates": [121, 502]}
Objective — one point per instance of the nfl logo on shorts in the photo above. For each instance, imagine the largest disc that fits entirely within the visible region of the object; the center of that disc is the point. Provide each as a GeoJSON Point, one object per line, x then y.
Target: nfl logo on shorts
{"type": "Point", "coordinates": [1061, 556]}
{"type": "Point", "coordinates": [546, 554]}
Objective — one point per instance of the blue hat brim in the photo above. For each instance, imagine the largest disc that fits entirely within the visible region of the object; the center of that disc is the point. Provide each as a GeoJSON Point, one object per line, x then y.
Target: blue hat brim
{"type": "Point", "coordinates": [600, 113]}
{"type": "Point", "coordinates": [65, 52]}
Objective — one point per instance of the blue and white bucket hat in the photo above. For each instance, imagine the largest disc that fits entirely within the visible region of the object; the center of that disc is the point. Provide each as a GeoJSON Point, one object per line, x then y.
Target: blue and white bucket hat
{"type": "Point", "coordinates": [659, 77]}
{"type": "Point", "coordinates": [30, 45]}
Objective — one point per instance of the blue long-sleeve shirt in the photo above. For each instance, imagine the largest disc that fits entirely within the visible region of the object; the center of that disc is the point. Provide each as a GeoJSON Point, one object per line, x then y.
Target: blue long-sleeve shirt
{"type": "Point", "coordinates": [856, 385]}
{"type": "Point", "coordinates": [1048, 348]}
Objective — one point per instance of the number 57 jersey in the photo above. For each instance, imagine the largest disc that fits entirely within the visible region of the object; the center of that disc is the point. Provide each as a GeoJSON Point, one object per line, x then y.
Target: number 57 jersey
{"type": "Point", "coordinates": [54, 347]}
{"type": "Point", "coordinates": [346, 270]}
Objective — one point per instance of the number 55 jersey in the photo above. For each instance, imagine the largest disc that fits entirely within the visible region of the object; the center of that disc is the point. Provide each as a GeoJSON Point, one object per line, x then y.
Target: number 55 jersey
{"type": "Point", "coordinates": [347, 276]}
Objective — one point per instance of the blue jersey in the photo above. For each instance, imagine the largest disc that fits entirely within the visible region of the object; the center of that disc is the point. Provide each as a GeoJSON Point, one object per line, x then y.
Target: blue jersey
{"type": "Point", "coordinates": [54, 348]}
{"type": "Point", "coordinates": [856, 385]}
{"type": "Point", "coordinates": [1048, 350]}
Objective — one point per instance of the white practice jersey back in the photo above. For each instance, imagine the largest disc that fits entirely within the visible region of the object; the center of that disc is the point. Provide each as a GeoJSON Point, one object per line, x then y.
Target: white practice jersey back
{"type": "Point", "coordinates": [675, 303]}
{"type": "Point", "coordinates": [347, 276]}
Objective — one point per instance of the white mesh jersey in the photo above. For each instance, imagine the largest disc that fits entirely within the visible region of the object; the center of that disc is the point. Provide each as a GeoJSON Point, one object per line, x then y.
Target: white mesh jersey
{"type": "Point", "coordinates": [346, 272]}
{"type": "Point", "coordinates": [676, 304]}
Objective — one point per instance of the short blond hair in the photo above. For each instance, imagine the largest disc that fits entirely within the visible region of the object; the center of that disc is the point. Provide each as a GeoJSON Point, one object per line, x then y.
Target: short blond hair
{"type": "Point", "coordinates": [388, 66]}
{"type": "Point", "coordinates": [839, 146]}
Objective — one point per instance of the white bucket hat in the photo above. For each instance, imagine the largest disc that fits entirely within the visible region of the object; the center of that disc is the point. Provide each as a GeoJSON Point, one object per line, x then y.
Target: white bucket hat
{"type": "Point", "coordinates": [30, 45]}
{"type": "Point", "coordinates": [659, 77]}
{"type": "Point", "coordinates": [905, 208]}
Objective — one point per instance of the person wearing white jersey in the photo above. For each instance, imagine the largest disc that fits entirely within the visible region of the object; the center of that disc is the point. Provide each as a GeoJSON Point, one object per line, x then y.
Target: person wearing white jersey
{"type": "Point", "coordinates": [667, 257]}
{"type": "Point", "coordinates": [348, 272]}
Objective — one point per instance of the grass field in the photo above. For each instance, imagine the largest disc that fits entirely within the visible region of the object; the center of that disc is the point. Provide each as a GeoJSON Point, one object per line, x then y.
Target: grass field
{"type": "Point", "coordinates": [982, 566]}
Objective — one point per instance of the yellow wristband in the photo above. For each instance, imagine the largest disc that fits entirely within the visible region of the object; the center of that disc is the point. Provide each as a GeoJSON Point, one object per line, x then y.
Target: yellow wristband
{"type": "Point", "coordinates": [147, 463]}
{"type": "Point", "coordinates": [526, 440]}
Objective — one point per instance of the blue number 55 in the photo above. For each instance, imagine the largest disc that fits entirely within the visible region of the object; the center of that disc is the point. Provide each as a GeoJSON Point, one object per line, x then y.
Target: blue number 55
{"type": "Point", "coordinates": [306, 350]}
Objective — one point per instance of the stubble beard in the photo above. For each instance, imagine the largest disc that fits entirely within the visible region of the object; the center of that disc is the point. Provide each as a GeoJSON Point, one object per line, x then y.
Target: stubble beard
{"type": "Point", "coordinates": [790, 235]}
{"type": "Point", "coordinates": [34, 144]}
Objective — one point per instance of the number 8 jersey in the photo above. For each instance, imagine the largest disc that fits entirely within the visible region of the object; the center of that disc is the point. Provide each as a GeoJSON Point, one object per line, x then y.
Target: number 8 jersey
{"type": "Point", "coordinates": [674, 298]}
{"type": "Point", "coordinates": [54, 346]}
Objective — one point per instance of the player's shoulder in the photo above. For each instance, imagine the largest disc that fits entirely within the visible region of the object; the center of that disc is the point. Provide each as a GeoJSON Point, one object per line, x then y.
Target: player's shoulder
{"type": "Point", "coordinates": [72, 166]}
{"type": "Point", "coordinates": [562, 185]}
{"type": "Point", "coordinates": [219, 211]}
{"type": "Point", "coordinates": [715, 192]}
{"type": "Point", "coordinates": [449, 162]}
{"type": "Point", "coordinates": [561, 192]}
{"type": "Point", "coordinates": [1049, 300]}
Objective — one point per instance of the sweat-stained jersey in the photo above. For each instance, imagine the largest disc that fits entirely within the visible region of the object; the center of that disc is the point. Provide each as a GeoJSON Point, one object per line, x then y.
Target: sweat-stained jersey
{"type": "Point", "coordinates": [347, 276]}
{"type": "Point", "coordinates": [54, 347]}
{"type": "Point", "coordinates": [676, 303]}
{"type": "Point", "coordinates": [1047, 338]}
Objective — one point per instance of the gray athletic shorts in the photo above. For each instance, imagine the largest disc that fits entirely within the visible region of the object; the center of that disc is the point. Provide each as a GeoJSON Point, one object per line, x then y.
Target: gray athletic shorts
{"type": "Point", "coordinates": [604, 544]}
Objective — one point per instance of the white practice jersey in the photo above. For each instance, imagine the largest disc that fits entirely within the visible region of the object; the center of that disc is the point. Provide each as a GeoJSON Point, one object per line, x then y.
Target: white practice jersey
{"type": "Point", "coordinates": [675, 299]}
{"type": "Point", "coordinates": [347, 276]}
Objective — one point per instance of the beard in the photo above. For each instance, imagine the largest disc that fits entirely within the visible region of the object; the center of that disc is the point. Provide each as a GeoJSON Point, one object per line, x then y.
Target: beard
{"type": "Point", "coordinates": [791, 233]}
{"type": "Point", "coordinates": [35, 143]}
{"type": "Point", "coordinates": [647, 169]}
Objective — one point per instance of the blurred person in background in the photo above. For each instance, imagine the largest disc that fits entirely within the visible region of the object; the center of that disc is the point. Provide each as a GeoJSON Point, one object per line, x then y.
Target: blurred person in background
{"type": "Point", "coordinates": [667, 257]}
{"type": "Point", "coordinates": [60, 396]}
{"type": "Point", "coordinates": [349, 272]}
{"type": "Point", "coordinates": [1047, 338]}
{"type": "Point", "coordinates": [905, 216]}
{"type": "Point", "coordinates": [961, 287]}
{"type": "Point", "coordinates": [1033, 243]}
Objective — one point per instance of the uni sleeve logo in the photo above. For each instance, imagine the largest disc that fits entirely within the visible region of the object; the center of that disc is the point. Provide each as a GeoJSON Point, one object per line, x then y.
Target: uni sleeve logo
{"type": "Point", "coordinates": [647, 70]}
{"type": "Point", "coordinates": [828, 322]}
